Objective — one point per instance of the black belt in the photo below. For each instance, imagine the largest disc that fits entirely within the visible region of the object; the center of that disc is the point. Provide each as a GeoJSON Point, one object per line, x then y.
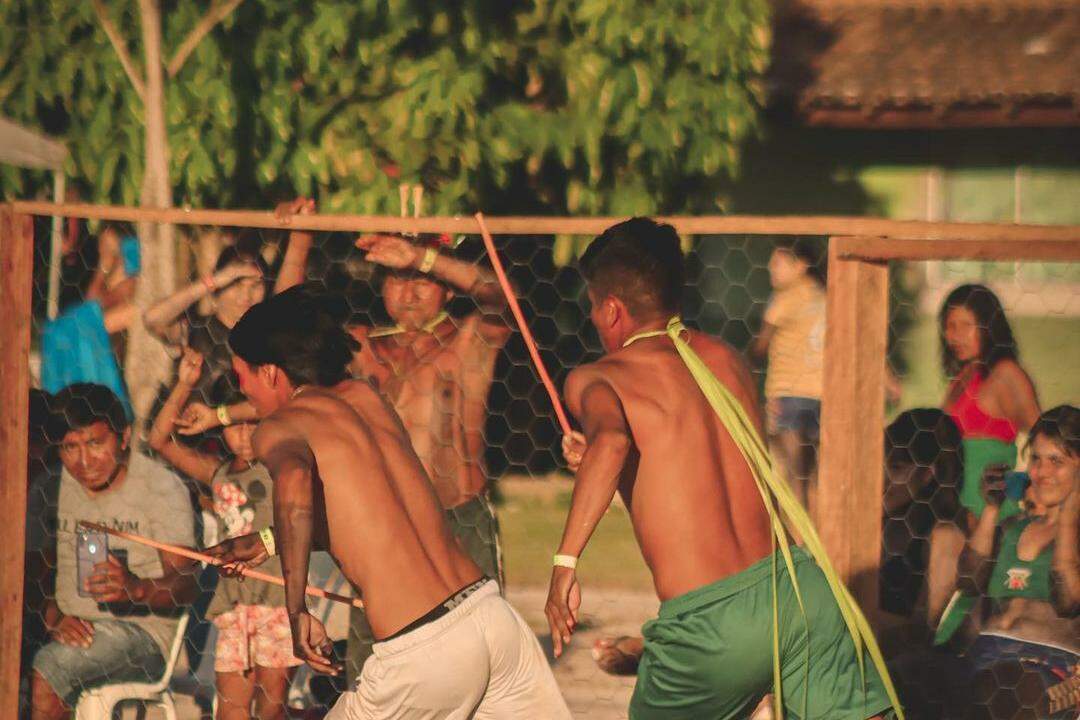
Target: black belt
{"type": "Point", "coordinates": [443, 608]}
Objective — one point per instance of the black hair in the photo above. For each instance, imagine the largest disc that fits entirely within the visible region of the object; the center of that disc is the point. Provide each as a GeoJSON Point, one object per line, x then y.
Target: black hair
{"type": "Point", "coordinates": [1060, 425]}
{"type": "Point", "coordinates": [80, 405]}
{"type": "Point", "coordinates": [806, 250]}
{"type": "Point", "coordinates": [244, 250]}
{"type": "Point", "coordinates": [301, 331]}
{"type": "Point", "coordinates": [996, 341]}
{"type": "Point", "coordinates": [640, 262]}
{"type": "Point", "coordinates": [927, 437]}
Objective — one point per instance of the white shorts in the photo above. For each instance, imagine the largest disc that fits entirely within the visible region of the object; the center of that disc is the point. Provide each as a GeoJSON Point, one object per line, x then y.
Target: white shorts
{"type": "Point", "coordinates": [480, 660]}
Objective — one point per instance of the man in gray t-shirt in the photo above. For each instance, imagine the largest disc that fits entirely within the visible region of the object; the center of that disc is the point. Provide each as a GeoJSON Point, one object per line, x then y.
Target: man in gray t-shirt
{"type": "Point", "coordinates": [119, 625]}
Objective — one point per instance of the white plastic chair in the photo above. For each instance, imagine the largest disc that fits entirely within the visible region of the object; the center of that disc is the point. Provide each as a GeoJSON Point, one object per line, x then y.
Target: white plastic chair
{"type": "Point", "coordinates": [98, 703]}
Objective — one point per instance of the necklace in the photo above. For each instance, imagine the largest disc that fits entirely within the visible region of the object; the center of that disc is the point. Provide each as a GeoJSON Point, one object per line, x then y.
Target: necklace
{"type": "Point", "coordinates": [428, 327]}
{"type": "Point", "coordinates": [297, 390]}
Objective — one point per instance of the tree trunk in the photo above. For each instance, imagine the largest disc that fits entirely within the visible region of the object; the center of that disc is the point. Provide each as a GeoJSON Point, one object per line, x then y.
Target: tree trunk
{"type": "Point", "coordinates": [147, 363]}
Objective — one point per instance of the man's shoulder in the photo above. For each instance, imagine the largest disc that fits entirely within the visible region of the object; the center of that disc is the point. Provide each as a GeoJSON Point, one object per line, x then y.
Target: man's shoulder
{"type": "Point", "coordinates": [154, 476]}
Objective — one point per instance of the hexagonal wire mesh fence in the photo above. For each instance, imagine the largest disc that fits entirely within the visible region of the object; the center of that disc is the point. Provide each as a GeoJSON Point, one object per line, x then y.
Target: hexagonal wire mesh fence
{"type": "Point", "coordinates": [976, 352]}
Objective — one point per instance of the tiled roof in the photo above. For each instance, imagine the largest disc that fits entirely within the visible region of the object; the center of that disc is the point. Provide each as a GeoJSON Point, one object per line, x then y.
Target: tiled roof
{"type": "Point", "coordinates": [930, 58]}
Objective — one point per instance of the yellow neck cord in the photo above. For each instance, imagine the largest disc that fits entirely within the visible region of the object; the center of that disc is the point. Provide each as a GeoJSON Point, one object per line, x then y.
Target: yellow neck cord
{"type": "Point", "coordinates": [779, 502]}
{"type": "Point", "coordinates": [428, 327]}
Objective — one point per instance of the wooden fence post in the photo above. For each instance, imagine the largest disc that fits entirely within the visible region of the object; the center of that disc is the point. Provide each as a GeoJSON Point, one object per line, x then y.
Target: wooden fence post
{"type": "Point", "coordinates": [850, 477]}
{"type": "Point", "coordinates": [16, 278]}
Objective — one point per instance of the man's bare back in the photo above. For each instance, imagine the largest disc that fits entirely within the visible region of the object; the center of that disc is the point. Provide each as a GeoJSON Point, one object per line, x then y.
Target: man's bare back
{"type": "Point", "coordinates": [696, 511]}
{"type": "Point", "coordinates": [385, 526]}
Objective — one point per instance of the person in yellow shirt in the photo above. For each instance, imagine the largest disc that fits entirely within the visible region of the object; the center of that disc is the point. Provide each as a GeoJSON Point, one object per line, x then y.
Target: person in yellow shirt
{"type": "Point", "coordinates": [792, 337]}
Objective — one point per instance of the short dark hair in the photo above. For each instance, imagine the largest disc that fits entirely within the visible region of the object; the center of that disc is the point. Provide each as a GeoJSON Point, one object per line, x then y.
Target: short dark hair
{"type": "Point", "coordinates": [1060, 425]}
{"type": "Point", "coordinates": [245, 250]}
{"type": "Point", "coordinates": [806, 250]}
{"type": "Point", "coordinates": [80, 405]}
{"type": "Point", "coordinates": [640, 262]}
{"type": "Point", "coordinates": [996, 341]}
{"type": "Point", "coordinates": [928, 438]}
{"type": "Point", "coordinates": [302, 331]}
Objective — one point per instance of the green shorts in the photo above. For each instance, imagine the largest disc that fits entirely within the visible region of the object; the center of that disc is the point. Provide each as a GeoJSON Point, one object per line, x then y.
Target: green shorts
{"type": "Point", "coordinates": [710, 655]}
{"type": "Point", "coordinates": [475, 527]}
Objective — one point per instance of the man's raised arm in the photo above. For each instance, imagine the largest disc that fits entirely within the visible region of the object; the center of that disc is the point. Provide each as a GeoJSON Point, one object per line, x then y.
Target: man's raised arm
{"type": "Point", "coordinates": [597, 406]}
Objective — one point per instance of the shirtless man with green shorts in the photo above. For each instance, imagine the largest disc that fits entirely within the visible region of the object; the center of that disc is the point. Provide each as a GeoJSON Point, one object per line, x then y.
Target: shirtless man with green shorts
{"type": "Point", "coordinates": [671, 421]}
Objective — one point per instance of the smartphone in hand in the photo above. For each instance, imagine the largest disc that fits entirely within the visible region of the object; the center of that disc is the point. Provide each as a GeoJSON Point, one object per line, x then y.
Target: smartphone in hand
{"type": "Point", "coordinates": [91, 549]}
{"type": "Point", "coordinates": [1016, 484]}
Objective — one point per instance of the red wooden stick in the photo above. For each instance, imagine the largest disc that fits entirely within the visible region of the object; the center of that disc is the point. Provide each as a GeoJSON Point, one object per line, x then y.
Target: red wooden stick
{"type": "Point", "coordinates": [192, 555]}
{"type": "Point", "coordinates": [508, 290]}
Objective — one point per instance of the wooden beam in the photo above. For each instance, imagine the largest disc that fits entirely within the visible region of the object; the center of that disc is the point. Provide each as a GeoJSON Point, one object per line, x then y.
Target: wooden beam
{"type": "Point", "coordinates": [703, 225]}
{"type": "Point", "coordinates": [16, 273]}
{"type": "Point", "coordinates": [850, 475]}
{"type": "Point", "coordinates": [878, 249]}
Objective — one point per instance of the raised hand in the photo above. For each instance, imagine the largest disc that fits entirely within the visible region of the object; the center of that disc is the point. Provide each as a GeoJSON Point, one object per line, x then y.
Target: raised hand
{"type": "Point", "coordinates": [196, 419]}
{"type": "Point", "coordinates": [300, 206]}
{"type": "Point", "coordinates": [390, 251]}
{"type": "Point", "coordinates": [190, 367]}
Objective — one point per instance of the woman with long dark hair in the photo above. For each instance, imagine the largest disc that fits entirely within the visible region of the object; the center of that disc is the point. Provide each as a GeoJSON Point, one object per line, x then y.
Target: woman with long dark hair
{"type": "Point", "coordinates": [239, 281]}
{"type": "Point", "coordinates": [990, 396]}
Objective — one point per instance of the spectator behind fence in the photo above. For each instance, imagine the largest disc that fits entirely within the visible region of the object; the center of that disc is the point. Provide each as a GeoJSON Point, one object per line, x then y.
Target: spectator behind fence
{"type": "Point", "coordinates": [254, 658]}
{"type": "Point", "coordinates": [76, 346]}
{"type": "Point", "coordinates": [923, 469]}
{"type": "Point", "coordinates": [118, 625]}
{"type": "Point", "coordinates": [793, 337]}
{"type": "Point", "coordinates": [1028, 567]}
{"type": "Point", "coordinates": [990, 397]}
{"type": "Point", "coordinates": [239, 281]}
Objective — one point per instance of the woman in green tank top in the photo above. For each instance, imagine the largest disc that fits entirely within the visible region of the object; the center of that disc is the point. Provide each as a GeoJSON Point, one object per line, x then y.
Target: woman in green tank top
{"type": "Point", "coordinates": [1028, 567]}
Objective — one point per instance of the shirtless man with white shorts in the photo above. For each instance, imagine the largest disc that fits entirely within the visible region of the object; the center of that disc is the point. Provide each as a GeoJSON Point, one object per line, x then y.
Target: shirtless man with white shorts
{"type": "Point", "coordinates": [346, 479]}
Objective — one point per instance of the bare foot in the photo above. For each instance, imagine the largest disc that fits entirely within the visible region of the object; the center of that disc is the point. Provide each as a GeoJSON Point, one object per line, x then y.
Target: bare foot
{"type": "Point", "coordinates": [619, 656]}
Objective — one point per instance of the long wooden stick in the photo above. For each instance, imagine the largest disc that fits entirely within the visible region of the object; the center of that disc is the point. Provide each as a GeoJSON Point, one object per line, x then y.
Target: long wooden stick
{"type": "Point", "coordinates": [530, 343]}
{"type": "Point", "coordinates": [686, 225]}
{"type": "Point", "coordinates": [193, 555]}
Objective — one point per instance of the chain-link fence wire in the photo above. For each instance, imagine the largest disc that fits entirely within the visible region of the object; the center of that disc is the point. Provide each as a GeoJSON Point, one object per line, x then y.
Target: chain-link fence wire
{"type": "Point", "coordinates": [729, 293]}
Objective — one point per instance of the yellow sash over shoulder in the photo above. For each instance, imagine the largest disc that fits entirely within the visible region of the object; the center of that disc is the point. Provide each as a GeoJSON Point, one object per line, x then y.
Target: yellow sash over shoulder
{"type": "Point", "coordinates": [779, 502]}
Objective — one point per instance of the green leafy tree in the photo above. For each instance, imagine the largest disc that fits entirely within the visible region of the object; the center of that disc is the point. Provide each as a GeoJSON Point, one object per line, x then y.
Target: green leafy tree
{"type": "Point", "coordinates": [548, 106]}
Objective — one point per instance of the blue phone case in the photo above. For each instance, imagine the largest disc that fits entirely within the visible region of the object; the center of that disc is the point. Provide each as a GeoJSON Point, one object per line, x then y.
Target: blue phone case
{"type": "Point", "coordinates": [1016, 484]}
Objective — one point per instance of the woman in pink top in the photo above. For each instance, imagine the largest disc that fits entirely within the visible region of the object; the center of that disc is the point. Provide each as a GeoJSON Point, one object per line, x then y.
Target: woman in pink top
{"type": "Point", "coordinates": [990, 397]}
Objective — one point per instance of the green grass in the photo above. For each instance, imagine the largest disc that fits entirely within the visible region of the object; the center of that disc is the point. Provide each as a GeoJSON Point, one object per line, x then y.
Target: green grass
{"type": "Point", "coordinates": [531, 517]}
{"type": "Point", "coordinates": [1049, 350]}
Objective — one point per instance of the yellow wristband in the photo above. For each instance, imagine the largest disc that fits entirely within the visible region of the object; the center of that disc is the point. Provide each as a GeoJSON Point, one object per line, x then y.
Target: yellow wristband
{"type": "Point", "coordinates": [430, 255]}
{"type": "Point", "coordinates": [566, 561]}
{"type": "Point", "coordinates": [223, 415]}
{"type": "Point", "coordinates": [267, 537]}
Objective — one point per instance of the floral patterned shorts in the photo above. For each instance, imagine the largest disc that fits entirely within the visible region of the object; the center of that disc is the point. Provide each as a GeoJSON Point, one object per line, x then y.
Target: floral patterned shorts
{"type": "Point", "coordinates": [250, 635]}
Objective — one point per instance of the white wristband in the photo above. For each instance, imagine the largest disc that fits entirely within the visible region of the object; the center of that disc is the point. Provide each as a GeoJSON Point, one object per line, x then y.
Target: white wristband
{"type": "Point", "coordinates": [267, 537]}
{"type": "Point", "coordinates": [566, 561]}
